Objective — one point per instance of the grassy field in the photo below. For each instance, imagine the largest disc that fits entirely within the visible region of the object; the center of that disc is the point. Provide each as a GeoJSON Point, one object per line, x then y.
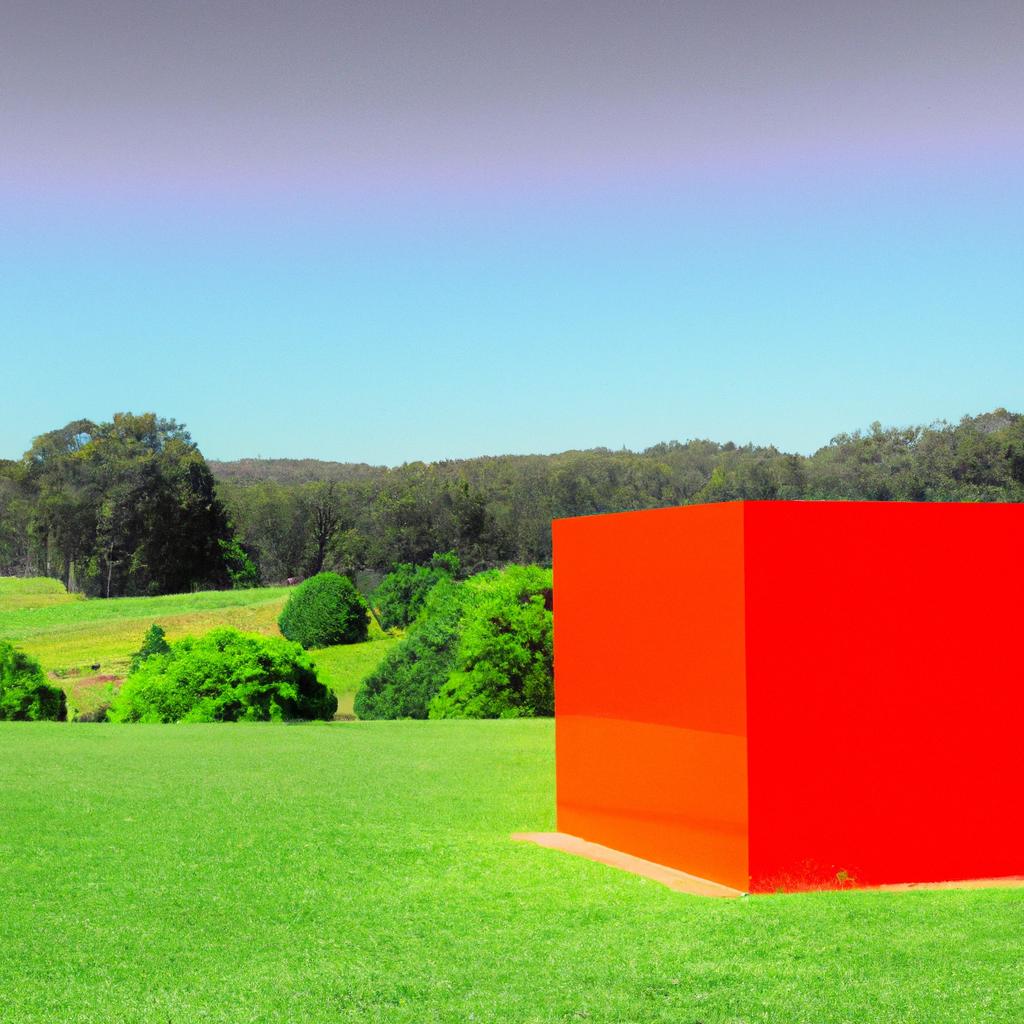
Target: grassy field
{"type": "Point", "coordinates": [68, 634]}
{"type": "Point", "coordinates": [363, 872]}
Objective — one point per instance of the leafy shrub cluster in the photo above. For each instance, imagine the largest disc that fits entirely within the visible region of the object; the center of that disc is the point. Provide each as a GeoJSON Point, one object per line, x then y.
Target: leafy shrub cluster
{"type": "Point", "coordinates": [25, 695]}
{"type": "Point", "coordinates": [224, 676]}
{"type": "Point", "coordinates": [404, 682]}
{"type": "Point", "coordinates": [400, 596]}
{"type": "Point", "coordinates": [479, 649]}
{"type": "Point", "coordinates": [323, 611]}
{"type": "Point", "coordinates": [504, 664]}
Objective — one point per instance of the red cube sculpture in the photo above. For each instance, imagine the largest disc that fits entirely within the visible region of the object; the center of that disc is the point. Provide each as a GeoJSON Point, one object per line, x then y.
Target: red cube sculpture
{"type": "Point", "coordinates": [793, 695]}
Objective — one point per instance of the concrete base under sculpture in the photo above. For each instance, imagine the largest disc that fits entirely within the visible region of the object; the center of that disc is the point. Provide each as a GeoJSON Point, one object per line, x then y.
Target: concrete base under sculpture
{"type": "Point", "coordinates": [680, 881]}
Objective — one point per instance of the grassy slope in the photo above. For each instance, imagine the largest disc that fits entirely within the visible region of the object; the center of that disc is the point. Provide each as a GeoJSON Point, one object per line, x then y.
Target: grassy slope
{"type": "Point", "coordinates": [363, 872]}
{"type": "Point", "coordinates": [344, 668]}
{"type": "Point", "coordinates": [71, 633]}
{"type": "Point", "coordinates": [68, 633]}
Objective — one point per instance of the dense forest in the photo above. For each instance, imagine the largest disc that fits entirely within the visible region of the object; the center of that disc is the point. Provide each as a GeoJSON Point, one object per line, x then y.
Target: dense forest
{"type": "Point", "coordinates": [300, 516]}
{"type": "Point", "coordinates": [131, 507]}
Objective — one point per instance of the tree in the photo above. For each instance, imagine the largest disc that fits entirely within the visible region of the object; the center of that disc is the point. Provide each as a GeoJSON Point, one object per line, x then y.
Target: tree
{"type": "Point", "coordinates": [400, 596]}
{"type": "Point", "coordinates": [126, 507]}
{"type": "Point", "coordinates": [241, 568]}
{"type": "Point", "coordinates": [324, 512]}
{"type": "Point", "coordinates": [153, 643]}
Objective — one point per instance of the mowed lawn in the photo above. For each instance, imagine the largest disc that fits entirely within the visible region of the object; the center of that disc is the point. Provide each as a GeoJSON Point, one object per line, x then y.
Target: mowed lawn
{"type": "Point", "coordinates": [363, 872]}
{"type": "Point", "coordinates": [69, 634]}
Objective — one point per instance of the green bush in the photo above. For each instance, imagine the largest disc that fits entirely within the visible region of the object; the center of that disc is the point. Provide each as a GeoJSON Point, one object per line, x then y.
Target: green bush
{"type": "Point", "coordinates": [504, 661]}
{"type": "Point", "coordinates": [25, 695]}
{"type": "Point", "coordinates": [403, 683]}
{"type": "Point", "coordinates": [324, 611]}
{"type": "Point", "coordinates": [400, 596]}
{"type": "Point", "coordinates": [224, 676]}
{"type": "Point", "coordinates": [479, 649]}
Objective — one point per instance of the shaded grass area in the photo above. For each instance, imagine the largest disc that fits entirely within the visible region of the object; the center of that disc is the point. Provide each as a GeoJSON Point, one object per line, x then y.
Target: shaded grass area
{"type": "Point", "coordinates": [363, 872]}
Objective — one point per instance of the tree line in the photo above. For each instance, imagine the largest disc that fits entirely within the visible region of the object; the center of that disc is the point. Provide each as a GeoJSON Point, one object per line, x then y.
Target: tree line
{"type": "Point", "coordinates": [132, 506]}
{"type": "Point", "coordinates": [303, 516]}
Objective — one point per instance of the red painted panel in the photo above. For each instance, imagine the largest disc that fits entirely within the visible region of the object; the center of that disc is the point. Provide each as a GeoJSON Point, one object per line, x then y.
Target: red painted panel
{"type": "Point", "coordinates": [885, 692]}
{"type": "Point", "coordinates": [650, 694]}
{"type": "Point", "coordinates": [674, 796]}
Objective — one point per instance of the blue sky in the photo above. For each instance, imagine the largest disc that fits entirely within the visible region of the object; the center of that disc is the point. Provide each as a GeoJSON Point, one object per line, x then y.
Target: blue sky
{"type": "Point", "coordinates": [433, 302]}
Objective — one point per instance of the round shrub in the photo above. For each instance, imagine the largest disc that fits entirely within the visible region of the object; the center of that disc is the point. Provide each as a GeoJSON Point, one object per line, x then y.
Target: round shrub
{"type": "Point", "coordinates": [25, 695]}
{"type": "Point", "coordinates": [224, 676]}
{"type": "Point", "coordinates": [324, 611]}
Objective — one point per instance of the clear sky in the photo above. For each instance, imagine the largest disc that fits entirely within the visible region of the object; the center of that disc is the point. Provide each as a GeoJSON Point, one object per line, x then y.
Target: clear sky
{"type": "Point", "coordinates": [391, 231]}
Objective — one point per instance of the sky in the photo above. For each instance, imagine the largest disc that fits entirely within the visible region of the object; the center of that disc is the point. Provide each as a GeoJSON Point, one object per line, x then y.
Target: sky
{"type": "Point", "coordinates": [382, 232]}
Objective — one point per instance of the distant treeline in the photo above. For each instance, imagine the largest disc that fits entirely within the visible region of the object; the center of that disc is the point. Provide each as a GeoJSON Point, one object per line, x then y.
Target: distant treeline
{"type": "Point", "coordinates": [299, 516]}
{"type": "Point", "coordinates": [132, 506]}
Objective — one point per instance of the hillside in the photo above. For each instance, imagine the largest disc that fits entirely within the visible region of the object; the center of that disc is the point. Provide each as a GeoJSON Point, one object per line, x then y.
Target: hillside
{"type": "Point", "coordinates": [292, 471]}
{"type": "Point", "coordinates": [86, 643]}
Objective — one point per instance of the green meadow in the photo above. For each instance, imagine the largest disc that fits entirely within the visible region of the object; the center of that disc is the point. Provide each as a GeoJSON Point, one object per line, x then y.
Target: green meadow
{"type": "Point", "coordinates": [363, 872]}
{"type": "Point", "coordinates": [69, 634]}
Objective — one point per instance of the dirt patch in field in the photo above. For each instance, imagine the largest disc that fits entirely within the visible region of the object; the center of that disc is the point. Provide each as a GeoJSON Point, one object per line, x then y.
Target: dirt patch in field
{"type": "Point", "coordinates": [88, 696]}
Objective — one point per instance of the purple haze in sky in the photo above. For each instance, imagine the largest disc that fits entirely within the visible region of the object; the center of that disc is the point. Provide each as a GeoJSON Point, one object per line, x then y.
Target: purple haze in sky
{"type": "Point", "coordinates": [140, 97]}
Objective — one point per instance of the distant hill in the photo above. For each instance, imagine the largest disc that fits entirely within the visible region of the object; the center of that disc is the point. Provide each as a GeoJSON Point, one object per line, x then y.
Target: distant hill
{"type": "Point", "coordinates": [292, 471]}
{"type": "Point", "coordinates": [296, 516]}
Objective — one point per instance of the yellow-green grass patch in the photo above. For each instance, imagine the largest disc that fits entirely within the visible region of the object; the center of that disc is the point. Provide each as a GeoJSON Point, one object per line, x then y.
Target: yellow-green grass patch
{"type": "Point", "coordinates": [71, 636]}
{"type": "Point", "coordinates": [34, 592]}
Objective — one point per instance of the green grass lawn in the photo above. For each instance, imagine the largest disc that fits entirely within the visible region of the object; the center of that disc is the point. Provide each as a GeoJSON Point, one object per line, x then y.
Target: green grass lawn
{"type": "Point", "coordinates": [344, 667]}
{"type": "Point", "coordinates": [68, 634]}
{"type": "Point", "coordinates": [363, 872]}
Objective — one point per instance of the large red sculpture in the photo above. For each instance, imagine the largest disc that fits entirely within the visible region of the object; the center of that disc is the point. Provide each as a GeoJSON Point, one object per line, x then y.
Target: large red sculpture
{"type": "Point", "coordinates": [792, 695]}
